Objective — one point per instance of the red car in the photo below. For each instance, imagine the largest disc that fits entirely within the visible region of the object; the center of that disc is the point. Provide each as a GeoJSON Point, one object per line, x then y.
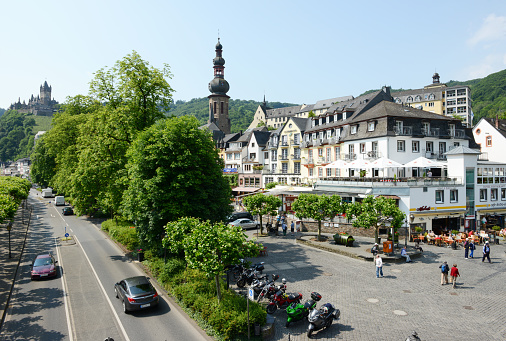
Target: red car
{"type": "Point", "coordinates": [43, 266]}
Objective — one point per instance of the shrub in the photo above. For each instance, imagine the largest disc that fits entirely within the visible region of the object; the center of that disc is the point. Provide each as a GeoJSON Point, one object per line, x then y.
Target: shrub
{"type": "Point", "coordinates": [122, 231]}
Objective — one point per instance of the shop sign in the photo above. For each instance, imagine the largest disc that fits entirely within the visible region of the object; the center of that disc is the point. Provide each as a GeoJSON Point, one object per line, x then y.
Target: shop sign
{"type": "Point", "coordinates": [423, 208]}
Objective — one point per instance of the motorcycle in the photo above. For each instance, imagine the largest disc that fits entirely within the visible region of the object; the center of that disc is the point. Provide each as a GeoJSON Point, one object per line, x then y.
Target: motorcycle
{"type": "Point", "coordinates": [271, 288]}
{"type": "Point", "coordinates": [237, 269]}
{"type": "Point", "coordinates": [282, 300]}
{"type": "Point", "coordinates": [298, 311]}
{"type": "Point", "coordinates": [322, 318]}
{"type": "Point", "coordinates": [249, 275]}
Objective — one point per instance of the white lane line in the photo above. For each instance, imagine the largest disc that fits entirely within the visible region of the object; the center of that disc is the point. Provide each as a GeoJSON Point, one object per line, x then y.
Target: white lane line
{"type": "Point", "coordinates": [105, 293]}
{"type": "Point", "coordinates": [68, 313]}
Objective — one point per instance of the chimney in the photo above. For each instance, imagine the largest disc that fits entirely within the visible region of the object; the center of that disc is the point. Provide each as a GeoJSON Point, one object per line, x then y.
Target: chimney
{"type": "Point", "coordinates": [496, 121]}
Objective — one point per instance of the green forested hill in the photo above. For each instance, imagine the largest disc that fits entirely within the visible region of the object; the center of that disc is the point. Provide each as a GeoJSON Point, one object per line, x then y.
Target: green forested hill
{"type": "Point", "coordinates": [241, 112]}
{"type": "Point", "coordinates": [1, 112]}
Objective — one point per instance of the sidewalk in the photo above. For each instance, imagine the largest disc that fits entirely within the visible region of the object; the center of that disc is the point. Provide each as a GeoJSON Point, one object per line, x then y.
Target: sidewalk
{"type": "Point", "coordinates": [10, 266]}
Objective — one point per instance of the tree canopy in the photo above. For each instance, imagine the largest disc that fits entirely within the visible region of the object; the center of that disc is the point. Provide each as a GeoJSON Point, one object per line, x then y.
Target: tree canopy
{"type": "Point", "coordinates": [16, 135]}
{"type": "Point", "coordinates": [174, 171]}
{"type": "Point", "coordinates": [261, 204]}
{"type": "Point", "coordinates": [12, 191]}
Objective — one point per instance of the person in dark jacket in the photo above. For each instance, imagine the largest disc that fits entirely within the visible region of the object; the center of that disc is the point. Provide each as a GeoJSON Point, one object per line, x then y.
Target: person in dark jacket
{"type": "Point", "coordinates": [486, 252]}
{"type": "Point", "coordinates": [466, 248]}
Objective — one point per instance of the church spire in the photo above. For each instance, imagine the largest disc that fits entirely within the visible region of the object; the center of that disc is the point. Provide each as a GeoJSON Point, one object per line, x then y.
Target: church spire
{"type": "Point", "coordinates": [218, 100]}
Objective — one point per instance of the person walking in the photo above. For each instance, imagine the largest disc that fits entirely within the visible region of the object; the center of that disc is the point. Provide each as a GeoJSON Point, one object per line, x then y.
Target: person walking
{"type": "Point", "coordinates": [444, 273]}
{"type": "Point", "coordinates": [454, 273]}
{"type": "Point", "coordinates": [466, 248]}
{"type": "Point", "coordinates": [283, 226]}
{"type": "Point", "coordinates": [292, 227]}
{"type": "Point", "coordinates": [471, 248]}
{"type": "Point", "coordinates": [379, 266]}
{"type": "Point", "coordinates": [486, 252]}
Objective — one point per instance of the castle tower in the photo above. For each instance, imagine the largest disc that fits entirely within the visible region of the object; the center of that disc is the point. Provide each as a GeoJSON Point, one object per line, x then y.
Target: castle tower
{"type": "Point", "coordinates": [218, 100]}
{"type": "Point", "coordinates": [45, 93]}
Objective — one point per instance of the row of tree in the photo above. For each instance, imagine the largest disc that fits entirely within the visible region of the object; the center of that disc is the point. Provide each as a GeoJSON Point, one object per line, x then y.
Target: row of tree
{"type": "Point", "coordinates": [115, 151]}
{"type": "Point", "coordinates": [12, 191]}
{"type": "Point", "coordinates": [369, 213]}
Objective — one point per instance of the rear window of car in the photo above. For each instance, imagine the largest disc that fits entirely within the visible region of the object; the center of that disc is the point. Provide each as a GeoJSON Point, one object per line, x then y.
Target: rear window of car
{"type": "Point", "coordinates": [139, 289]}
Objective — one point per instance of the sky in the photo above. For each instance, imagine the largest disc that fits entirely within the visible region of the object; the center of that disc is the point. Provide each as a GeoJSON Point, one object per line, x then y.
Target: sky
{"type": "Point", "coordinates": [290, 51]}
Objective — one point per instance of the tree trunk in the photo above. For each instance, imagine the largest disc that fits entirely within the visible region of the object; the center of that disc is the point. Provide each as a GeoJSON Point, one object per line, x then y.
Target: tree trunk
{"type": "Point", "coordinates": [261, 225]}
{"type": "Point", "coordinates": [376, 236]}
{"type": "Point", "coordinates": [218, 288]}
{"type": "Point", "coordinates": [319, 229]}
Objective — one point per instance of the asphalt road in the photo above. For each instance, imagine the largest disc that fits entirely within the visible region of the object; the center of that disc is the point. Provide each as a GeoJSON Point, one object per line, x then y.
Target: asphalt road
{"type": "Point", "coordinates": [80, 303]}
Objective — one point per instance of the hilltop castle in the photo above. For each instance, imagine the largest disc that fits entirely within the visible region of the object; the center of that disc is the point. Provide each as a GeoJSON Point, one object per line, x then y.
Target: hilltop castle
{"type": "Point", "coordinates": [41, 105]}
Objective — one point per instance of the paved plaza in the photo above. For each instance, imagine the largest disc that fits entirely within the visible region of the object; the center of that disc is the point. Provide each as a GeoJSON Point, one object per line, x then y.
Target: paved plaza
{"type": "Point", "coordinates": [409, 297]}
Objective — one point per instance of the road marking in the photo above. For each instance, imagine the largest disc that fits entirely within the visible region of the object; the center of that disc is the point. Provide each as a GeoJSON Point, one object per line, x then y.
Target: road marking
{"type": "Point", "coordinates": [105, 293]}
{"type": "Point", "coordinates": [68, 312]}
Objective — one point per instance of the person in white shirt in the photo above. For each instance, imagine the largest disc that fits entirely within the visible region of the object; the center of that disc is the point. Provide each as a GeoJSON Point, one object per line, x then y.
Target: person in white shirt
{"type": "Point", "coordinates": [379, 266]}
{"type": "Point", "coordinates": [404, 254]}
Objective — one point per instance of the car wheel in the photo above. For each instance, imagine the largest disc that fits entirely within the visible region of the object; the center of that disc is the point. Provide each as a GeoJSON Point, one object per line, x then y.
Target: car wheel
{"type": "Point", "coordinates": [116, 292]}
{"type": "Point", "coordinates": [125, 310]}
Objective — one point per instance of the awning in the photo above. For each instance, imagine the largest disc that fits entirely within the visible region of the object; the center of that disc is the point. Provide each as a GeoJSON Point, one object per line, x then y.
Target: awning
{"type": "Point", "coordinates": [245, 189]}
{"type": "Point", "coordinates": [389, 196]}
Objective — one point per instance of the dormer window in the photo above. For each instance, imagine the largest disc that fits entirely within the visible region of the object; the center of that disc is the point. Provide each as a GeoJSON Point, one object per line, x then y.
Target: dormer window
{"type": "Point", "coordinates": [329, 134]}
{"type": "Point", "coordinates": [370, 126]}
{"type": "Point", "coordinates": [321, 121]}
{"type": "Point", "coordinates": [335, 117]}
{"type": "Point", "coordinates": [409, 99]}
{"type": "Point", "coordinates": [344, 116]}
{"type": "Point", "coordinates": [353, 129]}
{"type": "Point", "coordinates": [398, 101]}
{"type": "Point", "coordinates": [314, 136]}
{"type": "Point", "coordinates": [321, 134]}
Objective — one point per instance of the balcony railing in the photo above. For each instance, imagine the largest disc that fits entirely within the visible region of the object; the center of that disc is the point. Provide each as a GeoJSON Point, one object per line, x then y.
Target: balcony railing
{"type": "Point", "coordinates": [390, 182]}
{"type": "Point", "coordinates": [294, 142]}
{"type": "Point", "coordinates": [284, 143]}
{"type": "Point", "coordinates": [457, 133]}
{"type": "Point", "coordinates": [283, 157]}
{"type": "Point", "coordinates": [405, 131]}
{"type": "Point", "coordinates": [295, 157]}
{"type": "Point", "coordinates": [349, 157]}
{"type": "Point", "coordinates": [249, 159]}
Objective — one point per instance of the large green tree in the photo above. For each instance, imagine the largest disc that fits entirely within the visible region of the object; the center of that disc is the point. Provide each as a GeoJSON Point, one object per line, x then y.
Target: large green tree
{"type": "Point", "coordinates": [174, 171]}
{"type": "Point", "coordinates": [261, 204]}
{"type": "Point", "coordinates": [12, 191]}
{"type": "Point", "coordinates": [375, 212]}
{"type": "Point", "coordinates": [318, 207]}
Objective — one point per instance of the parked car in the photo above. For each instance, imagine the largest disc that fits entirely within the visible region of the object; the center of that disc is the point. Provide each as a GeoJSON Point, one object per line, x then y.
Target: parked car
{"type": "Point", "coordinates": [245, 223]}
{"type": "Point", "coordinates": [136, 293]}
{"type": "Point", "coordinates": [43, 266]}
{"type": "Point", "coordinates": [238, 215]}
{"type": "Point", "coordinates": [67, 210]}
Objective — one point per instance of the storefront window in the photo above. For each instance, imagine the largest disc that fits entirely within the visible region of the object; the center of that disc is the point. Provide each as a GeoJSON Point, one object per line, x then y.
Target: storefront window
{"type": "Point", "coordinates": [493, 194]}
{"type": "Point", "coordinates": [439, 197]}
{"type": "Point", "coordinates": [454, 195]}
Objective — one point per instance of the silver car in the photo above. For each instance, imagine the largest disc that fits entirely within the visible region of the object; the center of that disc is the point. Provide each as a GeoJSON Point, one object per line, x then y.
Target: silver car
{"type": "Point", "coordinates": [245, 223]}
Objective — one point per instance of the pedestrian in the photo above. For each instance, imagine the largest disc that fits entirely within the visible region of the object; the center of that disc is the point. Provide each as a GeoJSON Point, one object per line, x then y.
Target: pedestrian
{"type": "Point", "coordinates": [379, 266]}
{"type": "Point", "coordinates": [444, 273]}
{"type": "Point", "coordinates": [375, 249]}
{"type": "Point", "coordinates": [466, 248]}
{"type": "Point", "coordinates": [292, 227]}
{"type": "Point", "coordinates": [454, 273]}
{"type": "Point", "coordinates": [283, 226]}
{"type": "Point", "coordinates": [404, 254]}
{"type": "Point", "coordinates": [486, 252]}
{"type": "Point", "coordinates": [471, 248]}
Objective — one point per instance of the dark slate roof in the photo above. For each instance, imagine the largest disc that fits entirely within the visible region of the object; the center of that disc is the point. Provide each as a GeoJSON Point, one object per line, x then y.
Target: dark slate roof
{"type": "Point", "coordinates": [307, 108]}
{"type": "Point", "coordinates": [327, 103]}
{"type": "Point", "coordinates": [403, 95]}
{"type": "Point", "coordinates": [262, 137]}
{"type": "Point", "coordinates": [231, 137]}
{"type": "Point", "coordinates": [283, 112]}
{"type": "Point", "coordinates": [217, 134]}
{"type": "Point", "coordinates": [386, 108]}
{"type": "Point", "coordinates": [301, 123]}
{"type": "Point", "coordinates": [502, 124]}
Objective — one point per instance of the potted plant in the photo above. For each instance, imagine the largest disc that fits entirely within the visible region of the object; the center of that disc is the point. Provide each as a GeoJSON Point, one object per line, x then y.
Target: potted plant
{"type": "Point", "coordinates": [362, 173]}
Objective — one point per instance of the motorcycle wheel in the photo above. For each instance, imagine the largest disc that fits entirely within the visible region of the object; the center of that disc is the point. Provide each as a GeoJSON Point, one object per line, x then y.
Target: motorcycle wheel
{"type": "Point", "coordinates": [328, 323]}
{"type": "Point", "coordinates": [287, 324]}
{"type": "Point", "coordinates": [271, 308]}
{"type": "Point", "coordinates": [309, 333]}
{"type": "Point", "coordinates": [241, 283]}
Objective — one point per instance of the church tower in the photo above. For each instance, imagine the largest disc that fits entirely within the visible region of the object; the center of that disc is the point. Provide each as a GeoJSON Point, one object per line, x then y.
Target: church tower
{"type": "Point", "coordinates": [218, 100]}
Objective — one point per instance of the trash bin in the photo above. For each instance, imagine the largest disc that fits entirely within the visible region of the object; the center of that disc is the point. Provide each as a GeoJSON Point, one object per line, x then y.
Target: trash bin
{"type": "Point", "coordinates": [388, 246]}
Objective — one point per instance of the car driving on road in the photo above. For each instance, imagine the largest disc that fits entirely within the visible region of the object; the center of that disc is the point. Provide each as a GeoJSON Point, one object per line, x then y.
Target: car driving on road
{"type": "Point", "coordinates": [43, 266]}
{"type": "Point", "coordinates": [67, 210]}
{"type": "Point", "coordinates": [245, 223]}
{"type": "Point", "coordinates": [136, 293]}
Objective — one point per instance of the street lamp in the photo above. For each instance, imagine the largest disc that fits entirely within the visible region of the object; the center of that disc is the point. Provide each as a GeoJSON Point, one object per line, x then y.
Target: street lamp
{"type": "Point", "coordinates": [406, 233]}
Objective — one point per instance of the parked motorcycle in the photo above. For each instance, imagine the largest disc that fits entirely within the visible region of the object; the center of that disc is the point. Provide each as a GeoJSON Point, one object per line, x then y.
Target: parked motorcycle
{"type": "Point", "coordinates": [282, 300]}
{"type": "Point", "coordinates": [237, 269]}
{"type": "Point", "coordinates": [271, 288]}
{"type": "Point", "coordinates": [249, 275]}
{"type": "Point", "coordinates": [298, 311]}
{"type": "Point", "coordinates": [322, 318]}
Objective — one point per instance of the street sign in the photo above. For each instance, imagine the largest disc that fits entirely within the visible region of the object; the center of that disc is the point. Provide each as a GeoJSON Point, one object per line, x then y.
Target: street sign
{"type": "Point", "coordinates": [66, 235]}
{"type": "Point", "coordinates": [251, 294]}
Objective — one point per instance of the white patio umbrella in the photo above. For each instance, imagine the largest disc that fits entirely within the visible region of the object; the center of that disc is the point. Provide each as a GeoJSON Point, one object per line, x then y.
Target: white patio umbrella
{"type": "Point", "coordinates": [384, 162]}
{"type": "Point", "coordinates": [337, 164]}
{"type": "Point", "coordinates": [359, 163]}
{"type": "Point", "coordinates": [423, 162]}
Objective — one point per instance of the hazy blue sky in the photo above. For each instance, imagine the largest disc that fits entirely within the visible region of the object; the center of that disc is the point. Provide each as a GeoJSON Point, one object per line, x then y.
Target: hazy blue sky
{"type": "Point", "coordinates": [291, 51]}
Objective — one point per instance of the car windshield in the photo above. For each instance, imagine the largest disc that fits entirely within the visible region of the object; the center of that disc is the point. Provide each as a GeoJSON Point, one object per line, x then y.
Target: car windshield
{"type": "Point", "coordinates": [43, 261]}
{"type": "Point", "coordinates": [140, 289]}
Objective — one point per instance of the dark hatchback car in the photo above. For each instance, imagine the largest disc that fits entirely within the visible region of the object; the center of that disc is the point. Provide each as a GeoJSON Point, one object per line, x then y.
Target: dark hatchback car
{"type": "Point", "coordinates": [136, 293]}
{"type": "Point", "coordinates": [239, 215]}
{"type": "Point", "coordinates": [67, 210]}
{"type": "Point", "coordinates": [43, 266]}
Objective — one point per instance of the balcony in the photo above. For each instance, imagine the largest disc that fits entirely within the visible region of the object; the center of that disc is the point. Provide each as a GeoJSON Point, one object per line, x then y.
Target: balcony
{"type": "Point", "coordinates": [388, 182]}
{"type": "Point", "coordinates": [295, 143]}
{"type": "Point", "coordinates": [373, 154]}
{"type": "Point", "coordinates": [483, 157]}
{"type": "Point", "coordinates": [284, 143]}
{"type": "Point", "coordinates": [249, 159]}
{"type": "Point", "coordinates": [350, 157]}
{"type": "Point", "coordinates": [404, 131]}
{"type": "Point", "coordinates": [295, 156]}
{"type": "Point", "coordinates": [431, 132]}
{"type": "Point", "coordinates": [457, 133]}
{"type": "Point", "coordinates": [283, 157]}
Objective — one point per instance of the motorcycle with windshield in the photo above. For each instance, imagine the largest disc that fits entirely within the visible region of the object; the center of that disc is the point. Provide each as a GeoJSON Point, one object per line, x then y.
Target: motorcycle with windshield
{"type": "Point", "coordinates": [299, 311]}
{"type": "Point", "coordinates": [322, 318]}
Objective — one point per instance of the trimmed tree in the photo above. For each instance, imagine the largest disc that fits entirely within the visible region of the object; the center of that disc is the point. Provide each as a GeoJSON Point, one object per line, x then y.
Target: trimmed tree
{"type": "Point", "coordinates": [318, 207]}
{"type": "Point", "coordinates": [261, 204]}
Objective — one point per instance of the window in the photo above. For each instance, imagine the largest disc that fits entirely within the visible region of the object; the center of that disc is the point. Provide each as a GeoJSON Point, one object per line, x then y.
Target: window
{"type": "Point", "coordinates": [454, 195]}
{"type": "Point", "coordinates": [321, 134]}
{"type": "Point", "coordinates": [266, 155]}
{"type": "Point", "coordinates": [442, 147]}
{"type": "Point", "coordinates": [440, 197]}
{"type": "Point", "coordinates": [253, 144]}
{"type": "Point", "coordinates": [329, 134]}
{"type": "Point", "coordinates": [483, 194]}
{"type": "Point", "coordinates": [353, 130]}
{"type": "Point", "coordinates": [461, 110]}
{"type": "Point", "coordinates": [320, 172]}
{"type": "Point", "coordinates": [296, 167]}
{"type": "Point", "coordinates": [237, 156]}
{"type": "Point", "coordinates": [398, 126]}
{"type": "Point", "coordinates": [493, 194]}
{"type": "Point", "coordinates": [362, 148]}
{"type": "Point", "coordinates": [229, 156]}
{"type": "Point", "coordinates": [503, 193]}
{"type": "Point", "coordinates": [296, 138]}
{"type": "Point", "coordinates": [401, 146]}
{"type": "Point", "coordinates": [370, 126]}
{"type": "Point", "coordinates": [337, 152]}
{"type": "Point", "coordinates": [431, 104]}
{"type": "Point", "coordinates": [415, 146]}
{"type": "Point", "coordinates": [284, 168]}
{"type": "Point", "coordinates": [320, 152]}
{"type": "Point", "coordinates": [489, 141]}
{"type": "Point", "coordinates": [311, 172]}
{"type": "Point", "coordinates": [429, 146]}
{"type": "Point", "coordinates": [409, 99]}
{"type": "Point", "coordinates": [329, 172]}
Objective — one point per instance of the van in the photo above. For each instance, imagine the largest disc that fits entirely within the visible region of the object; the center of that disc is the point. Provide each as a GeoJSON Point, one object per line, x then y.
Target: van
{"type": "Point", "coordinates": [239, 215]}
{"type": "Point", "coordinates": [59, 200]}
{"type": "Point", "coordinates": [47, 192]}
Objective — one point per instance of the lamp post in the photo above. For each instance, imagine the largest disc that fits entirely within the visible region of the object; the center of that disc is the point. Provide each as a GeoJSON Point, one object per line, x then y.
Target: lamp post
{"type": "Point", "coordinates": [406, 233]}
{"type": "Point", "coordinates": [9, 227]}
